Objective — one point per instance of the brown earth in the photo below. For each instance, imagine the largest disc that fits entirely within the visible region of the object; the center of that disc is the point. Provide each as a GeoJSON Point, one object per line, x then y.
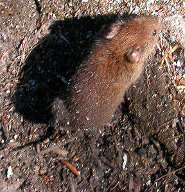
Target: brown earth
{"type": "Point", "coordinates": [142, 149]}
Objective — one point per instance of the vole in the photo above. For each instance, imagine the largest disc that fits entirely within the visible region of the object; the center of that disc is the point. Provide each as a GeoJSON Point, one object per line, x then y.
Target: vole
{"type": "Point", "coordinates": [115, 62]}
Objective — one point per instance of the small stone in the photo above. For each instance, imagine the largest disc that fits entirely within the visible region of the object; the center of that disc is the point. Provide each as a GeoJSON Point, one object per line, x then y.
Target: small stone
{"type": "Point", "coordinates": [9, 172]}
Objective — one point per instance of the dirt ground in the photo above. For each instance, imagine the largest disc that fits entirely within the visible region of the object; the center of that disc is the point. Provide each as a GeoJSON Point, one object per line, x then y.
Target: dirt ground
{"type": "Point", "coordinates": [141, 149]}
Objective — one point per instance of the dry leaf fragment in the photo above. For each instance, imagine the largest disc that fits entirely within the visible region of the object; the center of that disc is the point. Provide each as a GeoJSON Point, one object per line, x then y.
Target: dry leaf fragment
{"type": "Point", "coordinates": [178, 77]}
{"type": "Point", "coordinates": [75, 158]}
{"type": "Point", "coordinates": [47, 179]}
{"type": "Point", "coordinates": [182, 82]}
{"type": "Point", "coordinates": [71, 167]}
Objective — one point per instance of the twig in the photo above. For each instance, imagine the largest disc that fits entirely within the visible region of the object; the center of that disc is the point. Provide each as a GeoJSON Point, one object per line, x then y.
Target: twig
{"type": "Point", "coordinates": [71, 167]}
{"type": "Point", "coordinates": [55, 147]}
{"type": "Point", "coordinates": [166, 123]}
{"type": "Point", "coordinates": [114, 186]}
{"type": "Point", "coordinates": [168, 174]}
{"type": "Point", "coordinates": [176, 137]}
{"type": "Point", "coordinates": [168, 54]}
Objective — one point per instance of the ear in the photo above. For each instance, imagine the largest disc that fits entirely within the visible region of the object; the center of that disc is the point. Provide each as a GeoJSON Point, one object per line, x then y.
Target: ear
{"type": "Point", "coordinates": [113, 30]}
{"type": "Point", "coordinates": [133, 54]}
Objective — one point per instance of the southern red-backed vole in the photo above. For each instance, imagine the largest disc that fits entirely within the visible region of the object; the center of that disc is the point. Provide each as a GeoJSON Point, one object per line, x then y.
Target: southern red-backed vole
{"type": "Point", "coordinates": [115, 62]}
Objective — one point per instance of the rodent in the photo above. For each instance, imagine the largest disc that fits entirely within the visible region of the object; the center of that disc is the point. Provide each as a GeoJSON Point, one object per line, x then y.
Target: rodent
{"type": "Point", "coordinates": [115, 62]}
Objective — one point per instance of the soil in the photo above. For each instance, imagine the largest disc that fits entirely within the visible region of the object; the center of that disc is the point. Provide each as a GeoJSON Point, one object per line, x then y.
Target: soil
{"type": "Point", "coordinates": [141, 149]}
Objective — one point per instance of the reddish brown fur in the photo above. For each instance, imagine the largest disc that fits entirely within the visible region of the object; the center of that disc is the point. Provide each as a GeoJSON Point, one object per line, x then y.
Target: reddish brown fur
{"type": "Point", "coordinates": [99, 84]}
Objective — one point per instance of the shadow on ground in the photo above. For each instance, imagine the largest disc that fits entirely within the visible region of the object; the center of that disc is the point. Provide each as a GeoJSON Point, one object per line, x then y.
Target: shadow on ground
{"type": "Point", "coordinates": [51, 63]}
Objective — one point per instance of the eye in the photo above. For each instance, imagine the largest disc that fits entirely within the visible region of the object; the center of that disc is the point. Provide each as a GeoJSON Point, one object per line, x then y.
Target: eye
{"type": "Point", "coordinates": [154, 32]}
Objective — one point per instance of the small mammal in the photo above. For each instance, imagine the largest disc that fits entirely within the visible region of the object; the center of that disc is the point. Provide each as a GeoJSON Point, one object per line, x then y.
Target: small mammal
{"type": "Point", "coordinates": [116, 61]}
